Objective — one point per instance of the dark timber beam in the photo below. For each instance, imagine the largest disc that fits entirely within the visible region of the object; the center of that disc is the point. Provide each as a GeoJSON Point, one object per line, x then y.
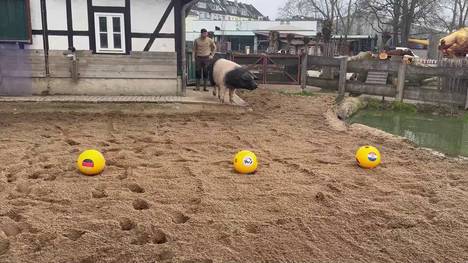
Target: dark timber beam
{"type": "Point", "coordinates": [181, 10]}
{"type": "Point", "coordinates": [45, 36]}
{"type": "Point", "coordinates": [161, 24]}
{"type": "Point", "coordinates": [91, 32]}
{"type": "Point", "coordinates": [69, 23]}
{"type": "Point", "coordinates": [128, 27]}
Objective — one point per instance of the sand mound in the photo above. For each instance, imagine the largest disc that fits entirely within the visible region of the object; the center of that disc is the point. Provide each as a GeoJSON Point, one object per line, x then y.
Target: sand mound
{"type": "Point", "coordinates": [169, 192]}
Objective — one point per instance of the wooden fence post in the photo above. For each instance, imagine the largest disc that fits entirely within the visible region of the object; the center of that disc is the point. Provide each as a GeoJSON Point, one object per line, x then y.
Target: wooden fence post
{"type": "Point", "coordinates": [305, 61]}
{"type": "Point", "coordinates": [401, 82]}
{"type": "Point", "coordinates": [466, 99]}
{"type": "Point", "coordinates": [342, 80]}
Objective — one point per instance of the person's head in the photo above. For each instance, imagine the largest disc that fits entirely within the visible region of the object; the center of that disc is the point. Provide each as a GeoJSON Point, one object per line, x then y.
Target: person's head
{"type": "Point", "coordinates": [204, 32]}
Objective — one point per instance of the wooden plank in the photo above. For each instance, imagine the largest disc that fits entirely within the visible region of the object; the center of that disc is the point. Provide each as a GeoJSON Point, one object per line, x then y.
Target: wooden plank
{"type": "Point", "coordinates": [322, 61]}
{"type": "Point", "coordinates": [134, 55]}
{"type": "Point", "coordinates": [110, 66]}
{"type": "Point", "coordinates": [127, 75]}
{"type": "Point", "coordinates": [119, 59]}
{"type": "Point", "coordinates": [304, 71]}
{"type": "Point", "coordinates": [342, 79]}
{"type": "Point", "coordinates": [125, 62]}
{"type": "Point", "coordinates": [466, 100]}
{"type": "Point", "coordinates": [378, 74]}
{"type": "Point", "coordinates": [425, 94]}
{"type": "Point", "coordinates": [401, 82]}
{"type": "Point", "coordinates": [433, 95]}
{"type": "Point", "coordinates": [373, 65]}
{"type": "Point", "coordinates": [376, 77]}
{"type": "Point", "coordinates": [128, 68]}
{"type": "Point", "coordinates": [379, 90]}
{"type": "Point", "coordinates": [150, 56]}
{"type": "Point", "coordinates": [438, 71]}
{"type": "Point", "coordinates": [22, 63]}
{"type": "Point", "coordinates": [376, 82]}
{"type": "Point", "coordinates": [153, 54]}
{"type": "Point", "coordinates": [24, 74]}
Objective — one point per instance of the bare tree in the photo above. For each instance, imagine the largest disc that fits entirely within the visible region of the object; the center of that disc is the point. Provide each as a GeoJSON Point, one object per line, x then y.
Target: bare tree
{"type": "Point", "coordinates": [294, 8]}
{"type": "Point", "coordinates": [340, 13]}
{"type": "Point", "coordinates": [346, 12]}
{"type": "Point", "coordinates": [401, 16]}
{"type": "Point", "coordinates": [454, 14]}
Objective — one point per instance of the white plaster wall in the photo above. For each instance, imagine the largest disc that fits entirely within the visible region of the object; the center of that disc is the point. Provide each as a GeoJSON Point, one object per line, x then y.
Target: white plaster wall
{"type": "Point", "coordinates": [160, 44]}
{"type": "Point", "coordinates": [36, 43]}
{"type": "Point", "coordinates": [145, 16]}
{"type": "Point", "coordinates": [56, 14]}
{"type": "Point", "coordinates": [81, 42]}
{"type": "Point", "coordinates": [109, 2]}
{"type": "Point", "coordinates": [58, 42]}
{"type": "Point", "coordinates": [80, 15]}
{"type": "Point", "coordinates": [36, 22]}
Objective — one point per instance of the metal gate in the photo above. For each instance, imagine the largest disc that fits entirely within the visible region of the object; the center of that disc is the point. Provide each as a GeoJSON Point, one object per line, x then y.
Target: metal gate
{"type": "Point", "coordinates": [191, 76]}
{"type": "Point", "coordinates": [272, 69]}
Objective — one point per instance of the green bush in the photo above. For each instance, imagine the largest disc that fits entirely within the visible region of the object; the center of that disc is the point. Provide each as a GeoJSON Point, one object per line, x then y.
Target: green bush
{"type": "Point", "coordinates": [403, 107]}
{"type": "Point", "coordinates": [375, 104]}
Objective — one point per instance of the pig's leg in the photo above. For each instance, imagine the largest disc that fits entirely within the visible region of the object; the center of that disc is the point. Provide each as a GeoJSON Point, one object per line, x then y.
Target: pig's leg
{"type": "Point", "coordinates": [231, 96]}
{"type": "Point", "coordinates": [219, 92]}
{"type": "Point", "coordinates": [214, 90]}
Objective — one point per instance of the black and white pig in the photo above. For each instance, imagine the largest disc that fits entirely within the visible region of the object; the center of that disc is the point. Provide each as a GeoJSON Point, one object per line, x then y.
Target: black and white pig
{"type": "Point", "coordinates": [226, 75]}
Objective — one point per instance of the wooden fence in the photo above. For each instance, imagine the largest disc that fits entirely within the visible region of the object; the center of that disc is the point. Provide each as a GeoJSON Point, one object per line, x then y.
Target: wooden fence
{"type": "Point", "coordinates": [140, 73]}
{"type": "Point", "coordinates": [137, 65]}
{"type": "Point", "coordinates": [456, 93]}
{"type": "Point", "coordinates": [272, 68]}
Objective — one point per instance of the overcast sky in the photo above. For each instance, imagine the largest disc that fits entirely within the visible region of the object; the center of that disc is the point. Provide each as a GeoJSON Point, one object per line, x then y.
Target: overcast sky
{"type": "Point", "coordinates": [267, 7]}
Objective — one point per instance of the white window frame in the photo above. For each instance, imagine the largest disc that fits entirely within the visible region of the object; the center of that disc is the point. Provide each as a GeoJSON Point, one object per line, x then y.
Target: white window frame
{"type": "Point", "coordinates": [110, 33]}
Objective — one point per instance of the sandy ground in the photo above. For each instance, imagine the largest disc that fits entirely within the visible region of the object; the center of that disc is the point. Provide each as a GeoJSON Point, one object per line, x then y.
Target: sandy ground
{"type": "Point", "coordinates": [169, 192]}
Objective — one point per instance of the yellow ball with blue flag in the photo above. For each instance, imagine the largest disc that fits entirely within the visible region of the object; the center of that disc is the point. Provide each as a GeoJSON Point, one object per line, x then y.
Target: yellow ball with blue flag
{"type": "Point", "coordinates": [368, 157]}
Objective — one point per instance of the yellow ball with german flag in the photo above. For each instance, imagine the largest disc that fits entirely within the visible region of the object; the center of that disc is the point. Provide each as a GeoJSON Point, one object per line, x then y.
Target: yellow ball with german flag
{"type": "Point", "coordinates": [91, 162]}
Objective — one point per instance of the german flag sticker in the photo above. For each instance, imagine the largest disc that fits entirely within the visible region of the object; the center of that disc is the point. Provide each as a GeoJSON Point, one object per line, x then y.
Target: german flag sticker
{"type": "Point", "coordinates": [88, 163]}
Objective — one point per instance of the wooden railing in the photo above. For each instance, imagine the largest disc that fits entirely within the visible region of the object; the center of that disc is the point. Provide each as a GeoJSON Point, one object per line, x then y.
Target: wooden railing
{"type": "Point", "coordinates": [137, 65]}
{"type": "Point", "coordinates": [401, 71]}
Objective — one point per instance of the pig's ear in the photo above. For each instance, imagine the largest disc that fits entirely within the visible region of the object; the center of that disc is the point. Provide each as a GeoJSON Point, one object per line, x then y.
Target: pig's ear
{"type": "Point", "coordinates": [245, 75]}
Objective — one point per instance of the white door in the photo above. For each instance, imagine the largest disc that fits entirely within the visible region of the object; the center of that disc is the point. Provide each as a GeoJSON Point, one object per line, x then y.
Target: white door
{"type": "Point", "coordinates": [110, 32]}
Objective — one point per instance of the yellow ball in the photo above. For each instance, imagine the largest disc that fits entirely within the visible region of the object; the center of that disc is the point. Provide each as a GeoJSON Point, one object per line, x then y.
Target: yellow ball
{"type": "Point", "coordinates": [91, 162]}
{"type": "Point", "coordinates": [245, 162]}
{"type": "Point", "coordinates": [368, 157]}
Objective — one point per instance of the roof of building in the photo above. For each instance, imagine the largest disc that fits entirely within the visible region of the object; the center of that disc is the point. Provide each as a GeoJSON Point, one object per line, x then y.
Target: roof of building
{"type": "Point", "coordinates": [226, 7]}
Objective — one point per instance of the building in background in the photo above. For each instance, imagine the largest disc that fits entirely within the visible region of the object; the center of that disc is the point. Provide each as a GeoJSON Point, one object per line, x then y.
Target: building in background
{"type": "Point", "coordinates": [237, 36]}
{"type": "Point", "coordinates": [225, 10]}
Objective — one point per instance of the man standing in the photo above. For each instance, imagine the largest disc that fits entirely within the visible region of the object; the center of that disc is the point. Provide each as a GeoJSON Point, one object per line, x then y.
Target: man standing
{"type": "Point", "coordinates": [204, 49]}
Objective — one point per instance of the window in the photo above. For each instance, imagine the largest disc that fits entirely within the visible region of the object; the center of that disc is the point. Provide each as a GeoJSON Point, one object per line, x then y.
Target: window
{"type": "Point", "coordinates": [110, 33]}
{"type": "Point", "coordinates": [14, 23]}
{"type": "Point", "coordinates": [201, 5]}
